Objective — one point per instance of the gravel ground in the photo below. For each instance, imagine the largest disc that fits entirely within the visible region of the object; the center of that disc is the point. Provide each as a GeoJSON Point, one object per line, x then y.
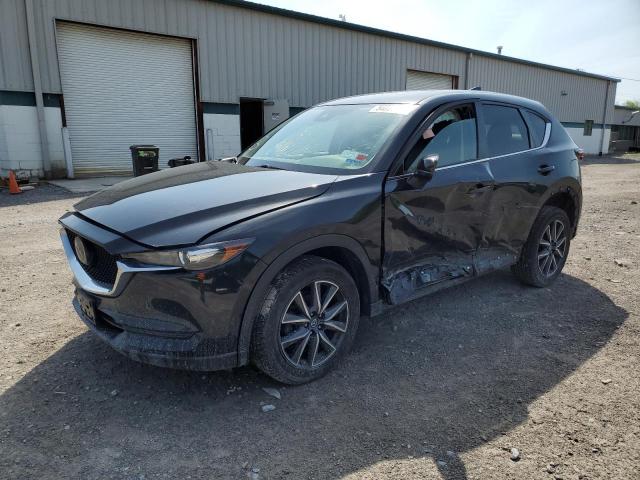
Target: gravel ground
{"type": "Point", "coordinates": [443, 387]}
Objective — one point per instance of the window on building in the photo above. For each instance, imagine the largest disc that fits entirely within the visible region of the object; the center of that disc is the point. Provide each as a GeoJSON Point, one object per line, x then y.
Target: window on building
{"type": "Point", "coordinates": [588, 128]}
{"type": "Point", "coordinates": [451, 136]}
{"type": "Point", "coordinates": [537, 127]}
{"type": "Point", "coordinates": [504, 130]}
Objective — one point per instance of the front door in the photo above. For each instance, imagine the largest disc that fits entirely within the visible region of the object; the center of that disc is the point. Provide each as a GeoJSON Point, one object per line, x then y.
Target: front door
{"type": "Point", "coordinates": [433, 228]}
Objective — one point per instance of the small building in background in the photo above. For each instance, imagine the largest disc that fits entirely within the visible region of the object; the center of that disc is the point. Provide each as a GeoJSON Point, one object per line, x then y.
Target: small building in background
{"type": "Point", "coordinates": [625, 130]}
{"type": "Point", "coordinates": [82, 81]}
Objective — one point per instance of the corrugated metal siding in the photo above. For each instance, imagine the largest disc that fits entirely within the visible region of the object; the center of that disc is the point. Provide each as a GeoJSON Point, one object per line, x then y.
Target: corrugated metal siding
{"type": "Point", "coordinates": [242, 52]}
{"type": "Point", "coordinates": [584, 99]}
{"type": "Point", "coordinates": [245, 52]}
{"type": "Point", "coordinates": [15, 64]}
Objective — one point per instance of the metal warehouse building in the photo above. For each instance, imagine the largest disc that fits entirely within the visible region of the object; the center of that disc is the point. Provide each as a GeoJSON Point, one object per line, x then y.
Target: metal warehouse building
{"type": "Point", "coordinates": [89, 78]}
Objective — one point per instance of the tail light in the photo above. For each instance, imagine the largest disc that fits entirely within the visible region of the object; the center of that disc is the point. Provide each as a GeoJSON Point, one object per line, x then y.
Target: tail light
{"type": "Point", "coordinates": [579, 153]}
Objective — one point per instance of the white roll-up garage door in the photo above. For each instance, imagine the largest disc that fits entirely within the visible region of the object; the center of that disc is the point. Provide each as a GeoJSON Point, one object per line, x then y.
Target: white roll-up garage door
{"type": "Point", "coordinates": [123, 88]}
{"type": "Point", "coordinates": [428, 81]}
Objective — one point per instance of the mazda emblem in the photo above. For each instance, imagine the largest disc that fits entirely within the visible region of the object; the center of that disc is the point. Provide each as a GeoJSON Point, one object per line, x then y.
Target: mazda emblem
{"type": "Point", "coordinates": [83, 252]}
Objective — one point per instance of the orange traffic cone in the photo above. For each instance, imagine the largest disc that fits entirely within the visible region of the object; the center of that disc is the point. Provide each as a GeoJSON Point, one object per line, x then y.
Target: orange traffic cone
{"type": "Point", "coordinates": [13, 184]}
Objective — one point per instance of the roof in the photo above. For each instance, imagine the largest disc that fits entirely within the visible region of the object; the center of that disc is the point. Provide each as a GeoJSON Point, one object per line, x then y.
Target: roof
{"type": "Point", "coordinates": [422, 96]}
{"type": "Point", "coordinates": [402, 96]}
{"type": "Point", "coordinates": [400, 36]}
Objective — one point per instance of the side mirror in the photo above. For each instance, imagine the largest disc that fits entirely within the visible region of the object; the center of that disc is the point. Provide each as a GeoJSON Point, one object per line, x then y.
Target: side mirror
{"type": "Point", "coordinates": [229, 160]}
{"type": "Point", "coordinates": [427, 166]}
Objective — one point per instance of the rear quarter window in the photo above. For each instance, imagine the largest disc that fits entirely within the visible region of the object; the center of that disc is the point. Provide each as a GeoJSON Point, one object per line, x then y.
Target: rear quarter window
{"type": "Point", "coordinates": [537, 127]}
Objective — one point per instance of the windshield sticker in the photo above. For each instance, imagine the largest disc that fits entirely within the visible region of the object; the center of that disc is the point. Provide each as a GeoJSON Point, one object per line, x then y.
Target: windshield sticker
{"type": "Point", "coordinates": [397, 108]}
{"type": "Point", "coordinates": [352, 157]}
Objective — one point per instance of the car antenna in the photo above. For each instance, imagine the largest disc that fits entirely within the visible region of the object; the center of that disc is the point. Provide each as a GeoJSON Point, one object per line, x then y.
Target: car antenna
{"type": "Point", "coordinates": [477, 87]}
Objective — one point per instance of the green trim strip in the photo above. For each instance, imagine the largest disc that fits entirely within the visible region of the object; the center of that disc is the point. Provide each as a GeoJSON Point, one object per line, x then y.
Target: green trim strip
{"type": "Point", "coordinates": [581, 125]}
{"type": "Point", "coordinates": [234, 109]}
{"type": "Point", "coordinates": [25, 99]}
{"type": "Point", "coordinates": [28, 99]}
{"type": "Point", "coordinates": [221, 108]}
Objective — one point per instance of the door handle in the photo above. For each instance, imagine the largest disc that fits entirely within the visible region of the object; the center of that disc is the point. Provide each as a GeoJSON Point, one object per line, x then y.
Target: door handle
{"type": "Point", "coordinates": [546, 169]}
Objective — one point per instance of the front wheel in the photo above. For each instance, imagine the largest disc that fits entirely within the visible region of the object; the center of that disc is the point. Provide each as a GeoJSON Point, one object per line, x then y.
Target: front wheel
{"type": "Point", "coordinates": [545, 252]}
{"type": "Point", "coordinates": [307, 322]}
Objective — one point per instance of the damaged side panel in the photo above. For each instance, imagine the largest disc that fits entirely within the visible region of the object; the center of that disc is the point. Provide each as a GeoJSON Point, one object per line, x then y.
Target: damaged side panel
{"type": "Point", "coordinates": [412, 282]}
{"type": "Point", "coordinates": [435, 234]}
{"type": "Point", "coordinates": [439, 272]}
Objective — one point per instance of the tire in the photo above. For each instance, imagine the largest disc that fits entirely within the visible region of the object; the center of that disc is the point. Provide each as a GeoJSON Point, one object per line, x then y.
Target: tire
{"type": "Point", "coordinates": [273, 349]}
{"type": "Point", "coordinates": [542, 272]}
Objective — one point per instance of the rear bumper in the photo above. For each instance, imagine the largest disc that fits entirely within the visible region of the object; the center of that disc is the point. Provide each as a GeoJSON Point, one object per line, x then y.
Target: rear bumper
{"type": "Point", "coordinates": [189, 353]}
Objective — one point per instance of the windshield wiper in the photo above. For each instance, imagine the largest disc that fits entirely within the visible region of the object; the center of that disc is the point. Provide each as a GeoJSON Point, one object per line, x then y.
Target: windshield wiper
{"type": "Point", "coordinates": [269, 166]}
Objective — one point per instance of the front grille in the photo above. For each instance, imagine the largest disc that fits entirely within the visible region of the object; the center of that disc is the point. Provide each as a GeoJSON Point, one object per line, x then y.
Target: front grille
{"type": "Point", "coordinates": [103, 268]}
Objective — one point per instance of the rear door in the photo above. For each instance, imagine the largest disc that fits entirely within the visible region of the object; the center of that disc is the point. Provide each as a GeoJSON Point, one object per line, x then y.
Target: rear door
{"type": "Point", "coordinates": [512, 139]}
{"type": "Point", "coordinates": [433, 228]}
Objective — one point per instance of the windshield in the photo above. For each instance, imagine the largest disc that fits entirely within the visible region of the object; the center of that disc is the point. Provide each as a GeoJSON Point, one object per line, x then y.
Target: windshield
{"type": "Point", "coordinates": [345, 137]}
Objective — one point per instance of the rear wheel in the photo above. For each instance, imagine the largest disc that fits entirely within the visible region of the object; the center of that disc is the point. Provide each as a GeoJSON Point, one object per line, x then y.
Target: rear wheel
{"type": "Point", "coordinates": [545, 252]}
{"type": "Point", "coordinates": [307, 322]}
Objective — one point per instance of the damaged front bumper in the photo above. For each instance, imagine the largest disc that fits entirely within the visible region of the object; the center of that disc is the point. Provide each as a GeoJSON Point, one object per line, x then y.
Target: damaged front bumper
{"type": "Point", "coordinates": [188, 353]}
{"type": "Point", "coordinates": [165, 316]}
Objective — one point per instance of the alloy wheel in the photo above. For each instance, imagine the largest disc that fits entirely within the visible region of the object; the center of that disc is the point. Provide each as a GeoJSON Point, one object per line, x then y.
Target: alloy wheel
{"type": "Point", "coordinates": [552, 248]}
{"type": "Point", "coordinates": [314, 324]}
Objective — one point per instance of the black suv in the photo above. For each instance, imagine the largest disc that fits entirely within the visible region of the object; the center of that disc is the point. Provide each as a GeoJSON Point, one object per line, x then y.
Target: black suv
{"type": "Point", "coordinates": [346, 209]}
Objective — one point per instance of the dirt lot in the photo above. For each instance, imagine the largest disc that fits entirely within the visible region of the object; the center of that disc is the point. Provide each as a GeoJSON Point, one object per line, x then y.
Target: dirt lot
{"type": "Point", "coordinates": [442, 387]}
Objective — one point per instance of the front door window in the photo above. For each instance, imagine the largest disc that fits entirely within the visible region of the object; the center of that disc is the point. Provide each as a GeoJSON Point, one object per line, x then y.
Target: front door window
{"type": "Point", "coordinates": [451, 136]}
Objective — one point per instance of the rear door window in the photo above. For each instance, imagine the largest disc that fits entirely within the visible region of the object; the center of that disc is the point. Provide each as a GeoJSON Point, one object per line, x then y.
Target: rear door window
{"type": "Point", "coordinates": [537, 127]}
{"type": "Point", "coordinates": [504, 130]}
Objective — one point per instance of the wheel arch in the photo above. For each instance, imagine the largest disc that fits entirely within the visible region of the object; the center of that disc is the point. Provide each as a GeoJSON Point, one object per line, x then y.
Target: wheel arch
{"type": "Point", "coordinates": [341, 249]}
{"type": "Point", "coordinates": [569, 199]}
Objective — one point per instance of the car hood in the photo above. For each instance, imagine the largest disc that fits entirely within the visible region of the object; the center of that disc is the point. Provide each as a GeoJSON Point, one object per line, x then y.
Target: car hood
{"type": "Point", "coordinates": [183, 205]}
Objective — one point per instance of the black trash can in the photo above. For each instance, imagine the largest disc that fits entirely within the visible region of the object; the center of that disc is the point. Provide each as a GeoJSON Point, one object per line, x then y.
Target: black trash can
{"type": "Point", "coordinates": [145, 159]}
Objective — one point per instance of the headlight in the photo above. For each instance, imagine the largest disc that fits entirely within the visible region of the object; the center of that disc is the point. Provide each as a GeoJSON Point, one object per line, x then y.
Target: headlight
{"type": "Point", "coordinates": [193, 258]}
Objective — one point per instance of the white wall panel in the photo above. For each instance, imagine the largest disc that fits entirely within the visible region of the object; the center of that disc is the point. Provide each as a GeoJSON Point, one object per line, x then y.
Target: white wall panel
{"type": "Point", "coordinates": [20, 141]}
{"type": "Point", "coordinates": [590, 144]}
{"type": "Point", "coordinates": [224, 137]}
